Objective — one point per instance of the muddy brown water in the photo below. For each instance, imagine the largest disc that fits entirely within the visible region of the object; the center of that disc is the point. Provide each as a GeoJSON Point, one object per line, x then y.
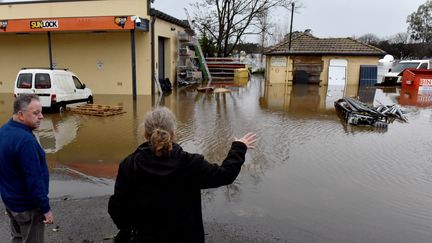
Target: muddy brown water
{"type": "Point", "coordinates": [311, 178]}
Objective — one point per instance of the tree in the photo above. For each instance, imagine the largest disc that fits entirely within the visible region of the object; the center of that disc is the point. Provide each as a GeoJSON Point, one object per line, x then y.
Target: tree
{"type": "Point", "coordinates": [279, 33]}
{"type": "Point", "coordinates": [208, 46]}
{"type": "Point", "coordinates": [420, 23]}
{"type": "Point", "coordinates": [264, 27]}
{"type": "Point", "coordinates": [248, 47]}
{"type": "Point", "coordinates": [402, 37]}
{"type": "Point", "coordinates": [369, 38]}
{"type": "Point", "coordinates": [228, 21]}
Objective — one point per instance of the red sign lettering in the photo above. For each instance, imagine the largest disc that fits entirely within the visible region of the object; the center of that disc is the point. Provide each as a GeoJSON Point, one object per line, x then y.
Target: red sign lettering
{"type": "Point", "coordinates": [425, 82]}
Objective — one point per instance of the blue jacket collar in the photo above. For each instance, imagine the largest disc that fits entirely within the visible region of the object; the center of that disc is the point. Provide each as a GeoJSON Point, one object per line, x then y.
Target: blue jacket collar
{"type": "Point", "coordinates": [19, 125]}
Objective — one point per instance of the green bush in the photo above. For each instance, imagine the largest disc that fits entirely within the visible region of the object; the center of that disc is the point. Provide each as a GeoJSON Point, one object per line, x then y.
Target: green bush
{"type": "Point", "coordinates": [259, 71]}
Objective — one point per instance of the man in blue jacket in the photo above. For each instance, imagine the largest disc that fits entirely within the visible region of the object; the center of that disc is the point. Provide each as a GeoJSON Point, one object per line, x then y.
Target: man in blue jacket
{"type": "Point", "coordinates": [24, 174]}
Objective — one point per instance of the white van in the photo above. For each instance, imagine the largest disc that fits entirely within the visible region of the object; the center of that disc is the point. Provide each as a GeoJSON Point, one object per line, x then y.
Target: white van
{"type": "Point", "coordinates": [55, 87]}
{"type": "Point", "coordinates": [392, 77]}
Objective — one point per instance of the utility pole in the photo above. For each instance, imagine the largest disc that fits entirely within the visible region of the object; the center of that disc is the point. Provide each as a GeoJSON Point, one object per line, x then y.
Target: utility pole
{"type": "Point", "coordinates": [290, 34]}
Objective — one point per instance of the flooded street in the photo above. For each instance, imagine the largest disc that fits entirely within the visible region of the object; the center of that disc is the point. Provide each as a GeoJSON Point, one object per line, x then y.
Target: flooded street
{"type": "Point", "coordinates": [311, 178]}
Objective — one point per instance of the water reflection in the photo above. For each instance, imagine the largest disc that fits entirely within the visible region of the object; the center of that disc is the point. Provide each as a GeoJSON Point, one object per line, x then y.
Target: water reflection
{"type": "Point", "coordinates": [314, 100]}
{"type": "Point", "coordinates": [55, 132]}
{"type": "Point", "coordinates": [386, 96]}
{"type": "Point", "coordinates": [304, 98]}
{"type": "Point", "coordinates": [309, 179]}
{"type": "Point", "coordinates": [102, 141]}
{"type": "Point", "coordinates": [334, 93]}
{"type": "Point", "coordinates": [409, 97]}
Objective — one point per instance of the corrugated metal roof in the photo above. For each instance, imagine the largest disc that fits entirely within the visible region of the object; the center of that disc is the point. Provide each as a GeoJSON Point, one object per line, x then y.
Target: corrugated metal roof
{"type": "Point", "coordinates": [306, 44]}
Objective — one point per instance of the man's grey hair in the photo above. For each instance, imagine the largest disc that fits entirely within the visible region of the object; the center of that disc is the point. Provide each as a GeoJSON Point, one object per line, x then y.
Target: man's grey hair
{"type": "Point", "coordinates": [22, 101]}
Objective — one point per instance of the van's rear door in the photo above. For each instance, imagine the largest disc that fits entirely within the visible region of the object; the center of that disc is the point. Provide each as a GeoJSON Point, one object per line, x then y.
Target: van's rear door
{"type": "Point", "coordinates": [42, 87]}
{"type": "Point", "coordinates": [63, 86]}
{"type": "Point", "coordinates": [24, 84]}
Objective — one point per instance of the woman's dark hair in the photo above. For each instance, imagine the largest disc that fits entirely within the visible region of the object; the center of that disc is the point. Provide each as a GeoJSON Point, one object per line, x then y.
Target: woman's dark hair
{"type": "Point", "coordinates": [159, 128]}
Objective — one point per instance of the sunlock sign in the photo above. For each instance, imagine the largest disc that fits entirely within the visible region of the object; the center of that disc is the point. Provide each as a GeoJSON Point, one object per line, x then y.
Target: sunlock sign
{"type": "Point", "coordinates": [44, 24]}
{"type": "Point", "coordinates": [425, 82]}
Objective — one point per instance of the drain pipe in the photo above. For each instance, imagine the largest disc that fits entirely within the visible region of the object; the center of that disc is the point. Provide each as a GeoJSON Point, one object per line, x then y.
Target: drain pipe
{"type": "Point", "coordinates": [153, 20]}
{"type": "Point", "coordinates": [133, 55]}
{"type": "Point", "coordinates": [50, 50]}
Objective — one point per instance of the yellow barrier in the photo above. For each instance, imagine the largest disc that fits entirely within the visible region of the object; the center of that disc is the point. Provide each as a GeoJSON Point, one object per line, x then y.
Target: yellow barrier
{"type": "Point", "coordinates": [241, 73]}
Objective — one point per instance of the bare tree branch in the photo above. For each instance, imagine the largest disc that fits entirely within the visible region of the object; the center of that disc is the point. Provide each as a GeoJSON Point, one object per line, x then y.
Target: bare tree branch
{"type": "Point", "coordinates": [228, 21]}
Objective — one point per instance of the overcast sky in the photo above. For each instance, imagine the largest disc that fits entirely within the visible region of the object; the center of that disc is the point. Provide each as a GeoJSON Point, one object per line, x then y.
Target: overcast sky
{"type": "Point", "coordinates": [332, 18]}
{"type": "Point", "coordinates": [329, 18]}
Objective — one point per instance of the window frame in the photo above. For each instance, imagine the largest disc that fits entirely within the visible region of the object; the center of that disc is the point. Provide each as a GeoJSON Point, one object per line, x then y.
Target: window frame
{"type": "Point", "coordinates": [45, 82]}
{"type": "Point", "coordinates": [75, 80]}
{"type": "Point", "coordinates": [20, 81]}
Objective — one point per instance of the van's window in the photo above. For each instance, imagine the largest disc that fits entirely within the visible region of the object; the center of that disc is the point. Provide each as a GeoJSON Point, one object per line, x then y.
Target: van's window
{"type": "Point", "coordinates": [77, 83]}
{"type": "Point", "coordinates": [424, 65]}
{"type": "Point", "coordinates": [24, 81]}
{"type": "Point", "coordinates": [42, 81]}
{"type": "Point", "coordinates": [401, 66]}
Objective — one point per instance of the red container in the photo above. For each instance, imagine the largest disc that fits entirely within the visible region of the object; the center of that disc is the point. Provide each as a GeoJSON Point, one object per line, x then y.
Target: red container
{"type": "Point", "coordinates": [417, 79]}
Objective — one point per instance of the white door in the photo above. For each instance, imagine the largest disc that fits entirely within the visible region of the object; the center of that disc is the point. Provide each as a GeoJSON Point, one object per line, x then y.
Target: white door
{"type": "Point", "coordinates": [337, 72]}
{"type": "Point", "coordinates": [336, 81]}
{"type": "Point", "coordinates": [337, 75]}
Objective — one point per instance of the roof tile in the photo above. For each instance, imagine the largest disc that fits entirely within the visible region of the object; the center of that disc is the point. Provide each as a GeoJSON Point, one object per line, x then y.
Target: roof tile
{"type": "Point", "coordinates": [307, 44]}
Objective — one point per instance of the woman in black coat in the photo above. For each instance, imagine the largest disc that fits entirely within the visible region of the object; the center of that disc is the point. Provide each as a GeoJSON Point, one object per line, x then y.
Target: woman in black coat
{"type": "Point", "coordinates": [157, 193]}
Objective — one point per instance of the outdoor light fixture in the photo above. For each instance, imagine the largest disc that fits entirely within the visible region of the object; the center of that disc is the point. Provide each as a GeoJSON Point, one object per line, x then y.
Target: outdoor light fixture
{"type": "Point", "coordinates": [3, 24]}
{"type": "Point", "coordinates": [121, 21]}
{"type": "Point", "coordinates": [136, 19]}
{"type": "Point", "coordinates": [140, 23]}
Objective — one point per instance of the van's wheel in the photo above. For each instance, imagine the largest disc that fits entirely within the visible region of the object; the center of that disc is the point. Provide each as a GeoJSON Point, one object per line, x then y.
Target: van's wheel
{"type": "Point", "coordinates": [90, 100]}
{"type": "Point", "coordinates": [62, 107]}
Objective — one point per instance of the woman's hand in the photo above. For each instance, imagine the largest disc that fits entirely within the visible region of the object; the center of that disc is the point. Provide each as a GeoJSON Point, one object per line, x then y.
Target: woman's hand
{"type": "Point", "coordinates": [249, 140]}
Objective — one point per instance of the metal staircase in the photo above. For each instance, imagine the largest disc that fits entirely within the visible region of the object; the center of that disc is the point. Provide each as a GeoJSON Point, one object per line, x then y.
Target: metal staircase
{"type": "Point", "coordinates": [198, 46]}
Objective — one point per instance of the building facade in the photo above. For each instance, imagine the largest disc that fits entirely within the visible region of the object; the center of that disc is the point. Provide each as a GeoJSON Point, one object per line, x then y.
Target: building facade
{"type": "Point", "coordinates": [114, 46]}
{"type": "Point", "coordinates": [311, 60]}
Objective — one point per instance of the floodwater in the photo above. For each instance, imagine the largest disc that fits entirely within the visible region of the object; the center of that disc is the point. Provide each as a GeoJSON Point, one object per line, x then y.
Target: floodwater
{"type": "Point", "coordinates": [311, 178]}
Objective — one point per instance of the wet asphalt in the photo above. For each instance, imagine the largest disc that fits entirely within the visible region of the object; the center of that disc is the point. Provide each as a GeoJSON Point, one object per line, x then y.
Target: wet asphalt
{"type": "Point", "coordinates": [87, 221]}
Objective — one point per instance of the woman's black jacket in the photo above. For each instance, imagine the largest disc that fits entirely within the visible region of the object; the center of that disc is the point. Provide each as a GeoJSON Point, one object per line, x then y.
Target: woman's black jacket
{"type": "Point", "coordinates": [160, 196]}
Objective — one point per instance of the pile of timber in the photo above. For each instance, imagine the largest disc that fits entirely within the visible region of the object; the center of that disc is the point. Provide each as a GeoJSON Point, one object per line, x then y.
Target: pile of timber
{"type": "Point", "coordinates": [98, 110]}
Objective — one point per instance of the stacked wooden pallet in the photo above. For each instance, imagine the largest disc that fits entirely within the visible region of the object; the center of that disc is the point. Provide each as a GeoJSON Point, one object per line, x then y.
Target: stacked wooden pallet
{"type": "Point", "coordinates": [224, 68]}
{"type": "Point", "coordinates": [98, 110]}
